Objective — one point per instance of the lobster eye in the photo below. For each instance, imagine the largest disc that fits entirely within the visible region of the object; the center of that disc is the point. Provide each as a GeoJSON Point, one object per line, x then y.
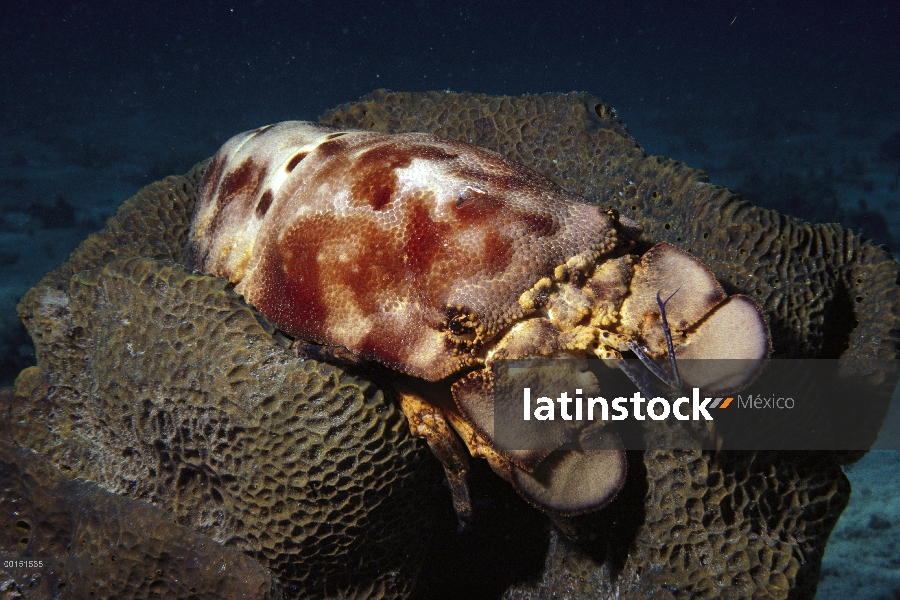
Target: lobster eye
{"type": "Point", "coordinates": [456, 327]}
{"type": "Point", "coordinates": [462, 324]}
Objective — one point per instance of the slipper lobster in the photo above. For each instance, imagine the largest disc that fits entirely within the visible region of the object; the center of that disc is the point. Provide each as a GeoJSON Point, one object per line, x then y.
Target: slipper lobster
{"type": "Point", "coordinates": [436, 259]}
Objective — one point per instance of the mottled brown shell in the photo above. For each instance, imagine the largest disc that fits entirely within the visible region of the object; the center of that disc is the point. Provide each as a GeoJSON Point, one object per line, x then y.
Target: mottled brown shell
{"type": "Point", "coordinates": [409, 249]}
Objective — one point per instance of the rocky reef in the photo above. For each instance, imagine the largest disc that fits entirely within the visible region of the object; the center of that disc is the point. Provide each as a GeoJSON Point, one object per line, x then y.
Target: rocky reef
{"type": "Point", "coordinates": [168, 434]}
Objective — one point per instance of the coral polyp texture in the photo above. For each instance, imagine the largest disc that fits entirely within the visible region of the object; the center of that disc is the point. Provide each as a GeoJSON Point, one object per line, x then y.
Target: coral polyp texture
{"type": "Point", "coordinates": [178, 402]}
{"type": "Point", "coordinates": [43, 513]}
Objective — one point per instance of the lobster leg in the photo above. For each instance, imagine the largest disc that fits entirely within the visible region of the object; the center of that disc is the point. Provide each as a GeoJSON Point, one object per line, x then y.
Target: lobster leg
{"type": "Point", "coordinates": [428, 421]}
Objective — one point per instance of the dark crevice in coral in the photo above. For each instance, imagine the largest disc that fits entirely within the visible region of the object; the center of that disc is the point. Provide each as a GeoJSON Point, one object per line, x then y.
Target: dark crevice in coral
{"type": "Point", "coordinates": [17, 350]}
{"type": "Point", "coordinates": [505, 544]}
{"type": "Point", "coordinates": [840, 321]}
{"type": "Point", "coordinates": [614, 529]}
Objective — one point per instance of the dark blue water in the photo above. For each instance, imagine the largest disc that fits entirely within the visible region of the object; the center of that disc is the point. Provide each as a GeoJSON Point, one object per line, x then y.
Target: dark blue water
{"type": "Point", "coordinates": [794, 104]}
{"type": "Point", "coordinates": [229, 66]}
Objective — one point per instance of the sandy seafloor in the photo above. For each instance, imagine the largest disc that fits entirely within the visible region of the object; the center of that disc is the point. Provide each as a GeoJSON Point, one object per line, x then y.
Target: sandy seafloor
{"type": "Point", "coordinates": [797, 108]}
